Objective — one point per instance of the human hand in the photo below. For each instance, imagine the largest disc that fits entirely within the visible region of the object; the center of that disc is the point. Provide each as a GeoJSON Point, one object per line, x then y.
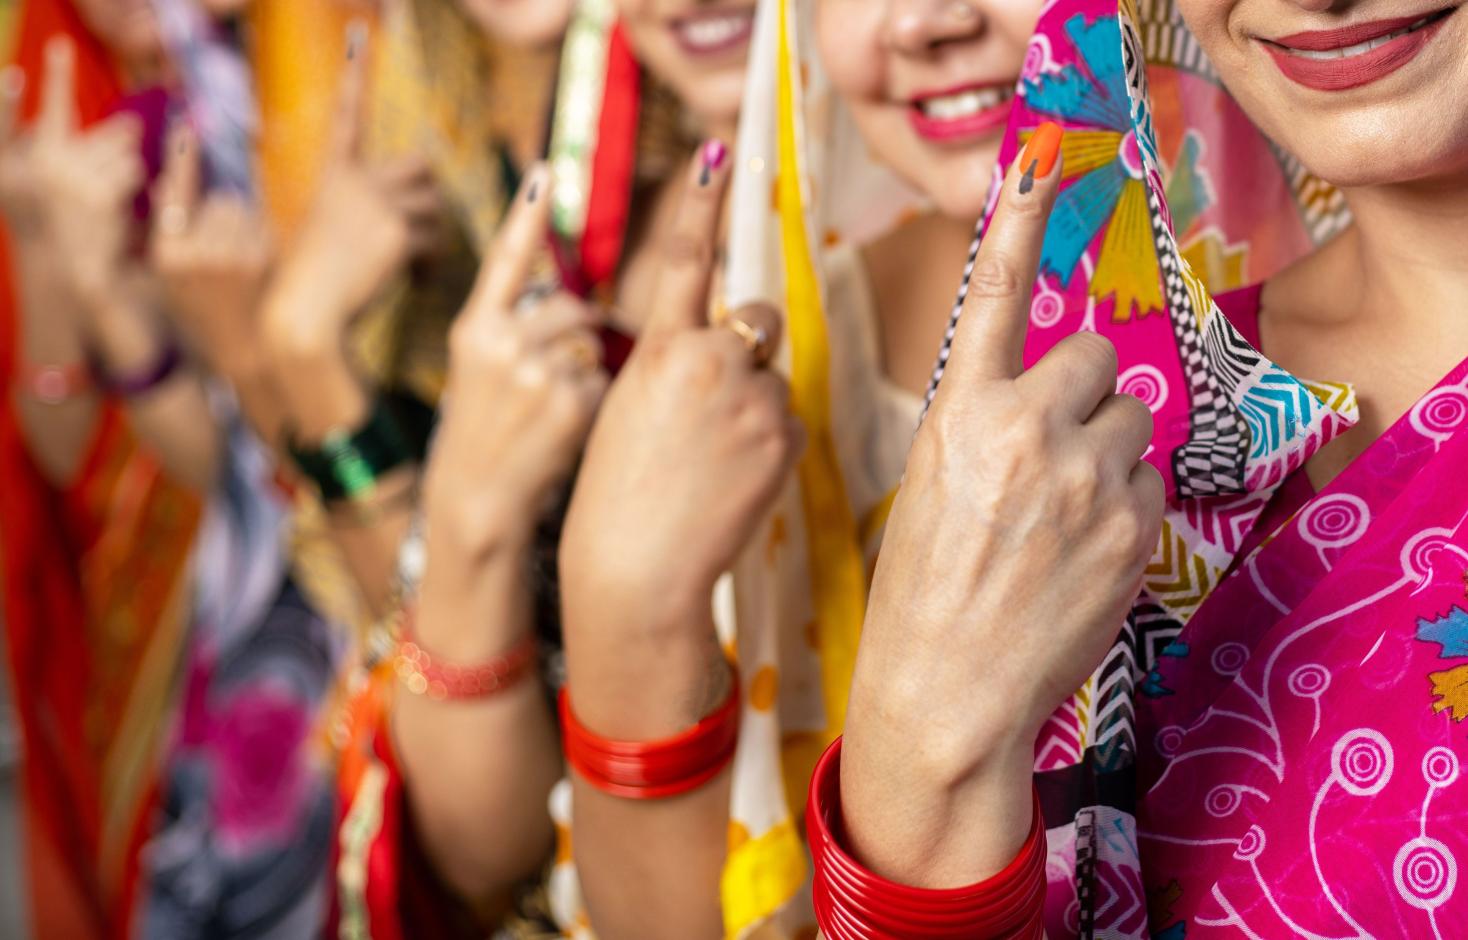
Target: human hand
{"type": "Point", "coordinates": [693, 444]}
{"type": "Point", "coordinates": [213, 254]}
{"type": "Point", "coordinates": [365, 224]}
{"type": "Point", "coordinates": [1012, 554]}
{"type": "Point", "coordinates": [524, 383]}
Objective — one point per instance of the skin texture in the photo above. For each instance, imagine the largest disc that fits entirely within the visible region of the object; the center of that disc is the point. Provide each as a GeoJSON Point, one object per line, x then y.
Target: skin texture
{"type": "Point", "coordinates": [129, 28]}
{"type": "Point", "coordinates": [694, 442]}
{"type": "Point", "coordinates": [709, 86]}
{"type": "Point", "coordinates": [68, 192]}
{"type": "Point", "coordinates": [521, 23]}
{"type": "Point", "coordinates": [937, 794]}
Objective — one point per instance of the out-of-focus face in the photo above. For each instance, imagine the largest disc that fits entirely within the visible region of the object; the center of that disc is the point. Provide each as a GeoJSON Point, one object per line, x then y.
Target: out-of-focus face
{"type": "Point", "coordinates": [128, 27]}
{"type": "Point", "coordinates": [930, 84]}
{"type": "Point", "coordinates": [1364, 93]}
{"type": "Point", "coordinates": [698, 47]}
{"type": "Point", "coordinates": [525, 23]}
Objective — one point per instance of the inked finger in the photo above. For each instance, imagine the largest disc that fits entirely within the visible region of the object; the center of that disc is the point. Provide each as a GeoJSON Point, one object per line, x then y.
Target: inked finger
{"type": "Point", "coordinates": [177, 189]}
{"type": "Point", "coordinates": [58, 89]}
{"type": "Point", "coordinates": [351, 98]}
{"type": "Point", "coordinates": [990, 340]}
{"type": "Point", "coordinates": [12, 87]}
{"type": "Point", "coordinates": [503, 272]}
{"type": "Point", "coordinates": [688, 253]}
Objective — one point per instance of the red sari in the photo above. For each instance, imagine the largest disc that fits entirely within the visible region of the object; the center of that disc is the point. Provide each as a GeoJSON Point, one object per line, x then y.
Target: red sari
{"type": "Point", "coordinates": [95, 604]}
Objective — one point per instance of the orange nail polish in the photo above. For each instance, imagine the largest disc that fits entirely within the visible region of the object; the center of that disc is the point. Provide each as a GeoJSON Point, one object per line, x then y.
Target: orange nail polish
{"type": "Point", "coordinates": [1040, 154]}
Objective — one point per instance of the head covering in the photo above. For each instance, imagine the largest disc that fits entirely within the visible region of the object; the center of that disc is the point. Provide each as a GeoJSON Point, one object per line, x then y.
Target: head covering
{"type": "Point", "coordinates": [95, 601]}
{"type": "Point", "coordinates": [1269, 749]}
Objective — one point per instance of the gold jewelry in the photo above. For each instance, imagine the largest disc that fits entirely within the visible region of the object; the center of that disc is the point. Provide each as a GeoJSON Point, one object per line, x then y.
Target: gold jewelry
{"type": "Point", "coordinates": [756, 338]}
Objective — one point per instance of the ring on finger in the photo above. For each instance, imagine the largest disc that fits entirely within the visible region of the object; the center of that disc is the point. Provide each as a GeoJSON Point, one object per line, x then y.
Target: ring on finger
{"type": "Point", "coordinates": [756, 338]}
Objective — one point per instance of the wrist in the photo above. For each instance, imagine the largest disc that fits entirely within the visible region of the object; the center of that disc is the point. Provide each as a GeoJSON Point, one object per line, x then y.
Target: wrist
{"type": "Point", "coordinates": [301, 324]}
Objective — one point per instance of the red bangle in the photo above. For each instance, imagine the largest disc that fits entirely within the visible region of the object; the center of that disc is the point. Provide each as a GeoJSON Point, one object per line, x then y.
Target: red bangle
{"type": "Point", "coordinates": [853, 903]}
{"type": "Point", "coordinates": [54, 384]}
{"type": "Point", "coordinates": [422, 675]}
{"type": "Point", "coordinates": [653, 770]}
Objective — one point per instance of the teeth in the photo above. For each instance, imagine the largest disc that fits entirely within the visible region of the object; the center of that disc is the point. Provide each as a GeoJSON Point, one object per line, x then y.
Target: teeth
{"type": "Point", "coordinates": [1360, 48]}
{"type": "Point", "coordinates": [709, 32]}
{"type": "Point", "coordinates": [964, 104]}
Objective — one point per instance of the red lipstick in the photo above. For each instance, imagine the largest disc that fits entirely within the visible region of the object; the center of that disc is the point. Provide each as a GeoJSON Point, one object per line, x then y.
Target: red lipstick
{"type": "Point", "coordinates": [1356, 68]}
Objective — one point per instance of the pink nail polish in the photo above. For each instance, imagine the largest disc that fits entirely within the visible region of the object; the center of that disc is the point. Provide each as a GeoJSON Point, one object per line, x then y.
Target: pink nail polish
{"type": "Point", "coordinates": [714, 154]}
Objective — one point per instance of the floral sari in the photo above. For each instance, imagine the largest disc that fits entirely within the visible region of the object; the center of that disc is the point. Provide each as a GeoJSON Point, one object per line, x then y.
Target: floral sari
{"type": "Point", "coordinates": [1272, 748]}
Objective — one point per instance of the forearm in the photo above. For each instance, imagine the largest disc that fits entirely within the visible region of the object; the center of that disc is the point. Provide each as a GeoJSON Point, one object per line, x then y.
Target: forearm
{"type": "Point", "coordinates": [925, 802]}
{"type": "Point", "coordinates": [57, 432]}
{"type": "Point", "coordinates": [320, 393]}
{"type": "Point", "coordinates": [478, 771]}
{"type": "Point", "coordinates": [174, 417]}
{"type": "Point", "coordinates": [648, 868]}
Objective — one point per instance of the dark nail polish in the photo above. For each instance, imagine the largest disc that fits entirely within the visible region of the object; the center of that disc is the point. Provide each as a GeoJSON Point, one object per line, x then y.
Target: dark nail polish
{"type": "Point", "coordinates": [1027, 182]}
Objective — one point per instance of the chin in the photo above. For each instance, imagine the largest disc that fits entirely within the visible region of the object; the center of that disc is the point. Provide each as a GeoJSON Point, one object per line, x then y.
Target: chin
{"type": "Point", "coordinates": [1380, 146]}
{"type": "Point", "coordinates": [715, 100]}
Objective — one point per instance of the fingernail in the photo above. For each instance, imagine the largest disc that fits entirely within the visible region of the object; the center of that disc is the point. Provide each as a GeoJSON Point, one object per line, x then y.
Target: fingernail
{"type": "Point", "coordinates": [714, 154]}
{"type": "Point", "coordinates": [1040, 153]}
{"type": "Point", "coordinates": [356, 36]}
{"type": "Point", "coordinates": [532, 191]}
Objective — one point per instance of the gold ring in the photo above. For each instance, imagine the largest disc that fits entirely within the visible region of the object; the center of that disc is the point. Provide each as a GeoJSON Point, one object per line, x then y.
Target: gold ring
{"type": "Point", "coordinates": [756, 338]}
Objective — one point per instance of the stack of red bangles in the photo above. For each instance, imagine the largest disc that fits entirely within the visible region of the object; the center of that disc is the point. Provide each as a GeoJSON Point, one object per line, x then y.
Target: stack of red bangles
{"type": "Point", "coordinates": [653, 770]}
{"type": "Point", "coordinates": [853, 903]}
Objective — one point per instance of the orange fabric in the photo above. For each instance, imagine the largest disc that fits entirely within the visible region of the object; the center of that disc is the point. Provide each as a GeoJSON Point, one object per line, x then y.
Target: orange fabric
{"type": "Point", "coordinates": [95, 601]}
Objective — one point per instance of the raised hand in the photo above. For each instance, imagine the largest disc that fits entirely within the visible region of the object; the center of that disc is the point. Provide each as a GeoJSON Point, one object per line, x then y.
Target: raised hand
{"type": "Point", "coordinates": [524, 383]}
{"type": "Point", "coordinates": [213, 253]}
{"type": "Point", "coordinates": [1011, 556]}
{"type": "Point", "coordinates": [85, 181]}
{"type": "Point", "coordinates": [693, 444]}
{"type": "Point", "coordinates": [366, 223]}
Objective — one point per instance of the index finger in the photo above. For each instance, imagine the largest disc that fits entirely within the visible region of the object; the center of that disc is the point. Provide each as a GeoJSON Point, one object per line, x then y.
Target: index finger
{"type": "Point", "coordinates": [351, 96]}
{"type": "Point", "coordinates": [12, 86]}
{"type": "Point", "coordinates": [178, 185]}
{"type": "Point", "coordinates": [58, 88]}
{"type": "Point", "coordinates": [688, 253]}
{"type": "Point", "coordinates": [503, 272]}
{"type": "Point", "coordinates": [994, 321]}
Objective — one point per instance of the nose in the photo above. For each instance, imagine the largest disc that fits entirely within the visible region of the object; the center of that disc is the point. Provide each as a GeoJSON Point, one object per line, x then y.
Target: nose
{"type": "Point", "coordinates": [917, 26]}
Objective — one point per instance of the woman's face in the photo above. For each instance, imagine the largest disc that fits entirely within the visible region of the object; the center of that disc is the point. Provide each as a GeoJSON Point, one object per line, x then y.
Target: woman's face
{"type": "Point", "coordinates": [698, 47]}
{"type": "Point", "coordinates": [929, 83]}
{"type": "Point", "coordinates": [524, 23]}
{"type": "Point", "coordinates": [1365, 93]}
{"type": "Point", "coordinates": [128, 27]}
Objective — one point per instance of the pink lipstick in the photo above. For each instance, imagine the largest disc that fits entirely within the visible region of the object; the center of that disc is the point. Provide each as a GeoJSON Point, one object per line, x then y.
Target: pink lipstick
{"type": "Point", "coordinates": [967, 111]}
{"type": "Point", "coordinates": [1341, 59]}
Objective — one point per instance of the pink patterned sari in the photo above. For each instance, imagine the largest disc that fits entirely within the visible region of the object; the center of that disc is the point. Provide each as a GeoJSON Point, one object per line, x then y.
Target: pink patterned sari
{"type": "Point", "coordinates": [1274, 746]}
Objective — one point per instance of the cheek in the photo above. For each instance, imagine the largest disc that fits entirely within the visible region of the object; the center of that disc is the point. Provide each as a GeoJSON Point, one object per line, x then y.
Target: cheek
{"type": "Point", "coordinates": [849, 41]}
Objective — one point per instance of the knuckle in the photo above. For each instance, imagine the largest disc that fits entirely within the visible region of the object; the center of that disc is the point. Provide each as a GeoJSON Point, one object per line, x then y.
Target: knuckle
{"type": "Point", "coordinates": [1093, 351]}
{"type": "Point", "coordinates": [682, 250]}
{"type": "Point", "coordinates": [994, 278]}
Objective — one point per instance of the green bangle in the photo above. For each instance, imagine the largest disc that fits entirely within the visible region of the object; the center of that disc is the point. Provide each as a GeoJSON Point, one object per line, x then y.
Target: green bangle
{"type": "Point", "coordinates": [347, 464]}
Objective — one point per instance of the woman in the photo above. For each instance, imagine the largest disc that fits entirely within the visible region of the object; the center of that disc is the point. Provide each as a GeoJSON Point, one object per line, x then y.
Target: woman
{"type": "Point", "coordinates": [1312, 556]}
{"type": "Point", "coordinates": [860, 358]}
{"type": "Point", "coordinates": [98, 524]}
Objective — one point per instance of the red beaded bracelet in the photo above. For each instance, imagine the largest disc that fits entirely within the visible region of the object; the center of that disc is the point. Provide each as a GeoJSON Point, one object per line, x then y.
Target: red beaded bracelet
{"type": "Point", "coordinates": [853, 903]}
{"type": "Point", "coordinates": [422, 675]}
{"type": "Point", "coordinates": [653, 770]}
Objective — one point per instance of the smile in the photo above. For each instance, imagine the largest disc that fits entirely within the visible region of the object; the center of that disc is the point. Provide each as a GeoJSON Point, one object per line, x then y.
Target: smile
{"type": "Point", "coordinates": [970, 111]}
{"type": "Point", "coordinates": [715, 32]}
{"type": "Point", "coordinates": [1341, 59]}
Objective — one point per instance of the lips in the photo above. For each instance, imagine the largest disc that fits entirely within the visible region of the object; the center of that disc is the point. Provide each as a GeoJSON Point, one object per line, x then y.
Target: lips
{"type": "Point", "coordinates": [963, 112]}
{"type": "Point", "coordinates": [715, 32]}
{"type": "Point", "coordinates": [1341, 59]}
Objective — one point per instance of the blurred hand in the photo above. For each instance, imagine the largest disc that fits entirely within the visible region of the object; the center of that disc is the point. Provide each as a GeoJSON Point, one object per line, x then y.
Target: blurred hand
{"type": "Point", "coordinates": [1013, 552]}
{"type": "Point", "coordinates": [692, 446]}
{"type": "Point", "coordinates": [84, 182]}
{"type": "Point", "coordinates": [213, 253]}
{"type": "Point", "coordinates": [524, 384]}
{"type": "Point", "coordinates": [364, 226]}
